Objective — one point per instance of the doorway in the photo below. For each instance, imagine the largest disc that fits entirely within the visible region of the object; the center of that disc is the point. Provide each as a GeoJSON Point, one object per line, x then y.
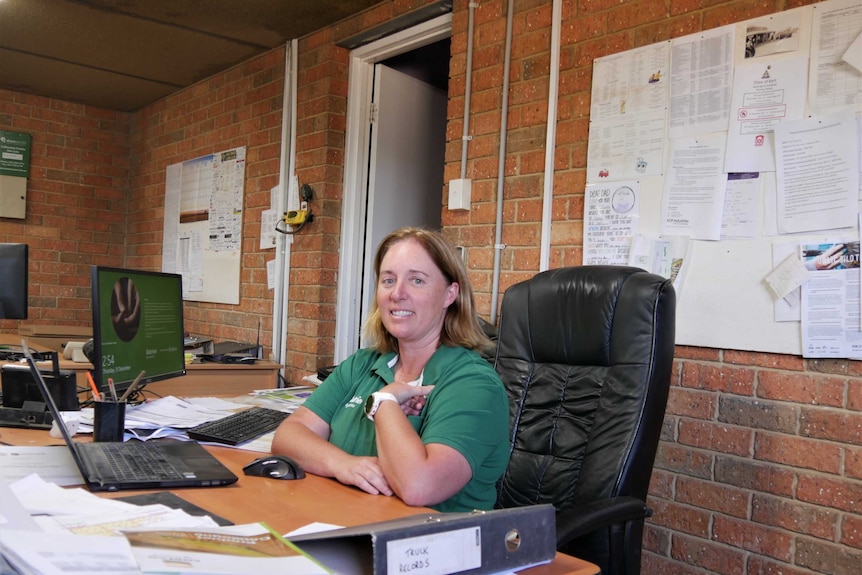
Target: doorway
{"type": "Point", "coordinates": [395, 154]}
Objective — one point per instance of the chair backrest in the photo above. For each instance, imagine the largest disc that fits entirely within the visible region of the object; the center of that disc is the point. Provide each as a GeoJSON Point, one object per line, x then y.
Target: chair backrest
{"type": "Point", "coordinates": [586, 355]}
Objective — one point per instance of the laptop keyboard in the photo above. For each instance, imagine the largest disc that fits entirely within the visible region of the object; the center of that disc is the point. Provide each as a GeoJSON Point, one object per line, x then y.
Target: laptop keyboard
{"type": "Point", "coordinates": [133, 461]}
{"type": "Point", "coordinates": [238, 427]}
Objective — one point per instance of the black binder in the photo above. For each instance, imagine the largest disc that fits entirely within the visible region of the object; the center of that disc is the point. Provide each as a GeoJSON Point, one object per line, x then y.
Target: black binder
{"type": "Point", "coordinates": [478, 543]}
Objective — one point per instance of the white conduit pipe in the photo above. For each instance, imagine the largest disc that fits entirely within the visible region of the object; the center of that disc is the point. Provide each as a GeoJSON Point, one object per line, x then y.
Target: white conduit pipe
{"type": "Point", "coordinates": [501, 166]}
{"type": "Point", "coordinates": [287, 166]}
{"type": "Point", "coordinates": [465, 133]}
{"type": "Point", "coordinates": [551, 136]}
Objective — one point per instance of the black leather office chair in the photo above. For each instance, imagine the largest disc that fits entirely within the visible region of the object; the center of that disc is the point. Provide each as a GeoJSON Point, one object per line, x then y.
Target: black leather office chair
{"type": "Point", "coordinates": [586, 355]}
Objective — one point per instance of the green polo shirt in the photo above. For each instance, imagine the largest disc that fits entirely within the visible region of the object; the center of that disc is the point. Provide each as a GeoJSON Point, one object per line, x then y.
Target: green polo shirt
{"type": "Point", "coordinates": [467, 410]}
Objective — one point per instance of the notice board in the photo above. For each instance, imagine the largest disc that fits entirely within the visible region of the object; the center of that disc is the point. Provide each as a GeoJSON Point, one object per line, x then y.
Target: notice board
{"type": "Point", "coordinates": [203, 225]}
{"type": "Point", "coordinates": [667, 117]}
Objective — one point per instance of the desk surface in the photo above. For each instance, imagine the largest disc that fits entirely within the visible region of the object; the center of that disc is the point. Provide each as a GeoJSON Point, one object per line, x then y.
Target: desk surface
{"type": "Point", "coordinates": [300, 502]}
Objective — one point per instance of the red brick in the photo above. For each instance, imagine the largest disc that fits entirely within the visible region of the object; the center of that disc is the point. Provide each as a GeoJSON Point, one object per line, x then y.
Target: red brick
{"type": "Point", "coordinates": [716, 437]}
{"type": "Point", "coordinates": [753, 537]}
{"type": "Point", "coordinates": [832, 424]}
{"type": "Point", "coordinates": [713, 377]}
{"type": "Point", "coordinates": [757, 476]}
{"type": "Point", "coordinates": [764, 566]}
{"type": "Point", "coordinates": [799, 388]}
{"type": "Point", "coordinates": [853, 463]}
{"type": "Point", "coordinates": [661, 484]}
{"type": "Point", "coordinates": [683, 460]}
{"type": "Point", "coordinates": [851, 531]}
{"type": "Point", "coordinates": [769, 360]}
{"type": "Point", "coordinates": [707, 555]}
{"type": "Point", "coordinates": [835, 493]}
{"type": "Point", "coordinates": [758, 414]}
{"type": "Point", "coordinates": [712, 496]}
{"type": "Point", "coordinates": [794, 516]}
{"type": "Point", "coordinates": [823, 557]}
{"type": "Point", "coordinates": [798, 452]}
{"type": "Point", "coordinates": [691, 403]}
{"type": "Point", "coordinates": [656, 539]}
{"type": "Point", "coordinates": [854, 395]}
{"type": "Point", "coordinates": [682, 518]}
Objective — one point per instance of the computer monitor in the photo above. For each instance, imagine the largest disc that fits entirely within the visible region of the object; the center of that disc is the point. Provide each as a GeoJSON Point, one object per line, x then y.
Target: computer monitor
{"type": "Point", "coordinates": [13, 287]}
{"type": "Point", "coordinates": [137, 326]}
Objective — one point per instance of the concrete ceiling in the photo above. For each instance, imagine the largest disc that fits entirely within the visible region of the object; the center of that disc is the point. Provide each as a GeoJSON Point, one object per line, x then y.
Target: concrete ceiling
{"type": "Point", "coordinates": [125, 54]}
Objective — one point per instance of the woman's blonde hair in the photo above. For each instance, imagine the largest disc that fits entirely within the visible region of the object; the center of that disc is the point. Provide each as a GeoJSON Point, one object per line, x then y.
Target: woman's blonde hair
{"type": "Point", "coordinates": [461, 326]}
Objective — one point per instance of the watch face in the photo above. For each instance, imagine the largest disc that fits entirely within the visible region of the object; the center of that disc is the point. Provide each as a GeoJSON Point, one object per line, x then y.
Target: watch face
{"type": "Point", "coordinates": [369, 404]}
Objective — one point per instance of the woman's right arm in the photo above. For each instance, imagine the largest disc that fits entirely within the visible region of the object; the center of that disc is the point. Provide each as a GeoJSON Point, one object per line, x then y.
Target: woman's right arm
{"type": "Point", "coordinates": [304, 436]}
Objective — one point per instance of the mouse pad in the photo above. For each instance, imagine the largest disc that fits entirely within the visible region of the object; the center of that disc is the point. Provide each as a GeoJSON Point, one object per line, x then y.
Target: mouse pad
{"type": "Point", "coordinates": [174, 502]}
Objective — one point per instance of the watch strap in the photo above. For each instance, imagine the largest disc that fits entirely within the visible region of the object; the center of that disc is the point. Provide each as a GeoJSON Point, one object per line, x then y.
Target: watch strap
{"type": "Point", "coordinates": [374, 401]}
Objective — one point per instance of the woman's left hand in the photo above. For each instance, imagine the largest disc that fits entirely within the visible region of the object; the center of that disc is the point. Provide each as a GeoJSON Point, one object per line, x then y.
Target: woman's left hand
{"type": "Point", "coordinates": [413, 406]}
{"type": "Point", "coordinates": [411, 398]}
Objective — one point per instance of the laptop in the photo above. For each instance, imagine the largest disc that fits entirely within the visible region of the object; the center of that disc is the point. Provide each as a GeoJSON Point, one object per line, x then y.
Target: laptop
{"type": "Point", "coordinates": [115, 466]}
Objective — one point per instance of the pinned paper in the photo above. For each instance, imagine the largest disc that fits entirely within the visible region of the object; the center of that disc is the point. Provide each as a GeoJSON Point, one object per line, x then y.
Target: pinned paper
{"type": "Point", "coordinates": [787, 276]}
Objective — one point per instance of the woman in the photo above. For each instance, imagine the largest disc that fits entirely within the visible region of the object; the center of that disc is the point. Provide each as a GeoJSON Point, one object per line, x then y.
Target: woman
{"type": "Point", "coordinates": [419, 414]}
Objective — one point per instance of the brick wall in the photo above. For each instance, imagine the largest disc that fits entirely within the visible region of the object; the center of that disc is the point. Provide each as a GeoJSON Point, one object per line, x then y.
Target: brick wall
{"type": "Point", "coordinates": [76, 201]}
{"type": "Point", "coordinates": [241, 107]}
{"type": "Point", "coordinates": [760, 466]}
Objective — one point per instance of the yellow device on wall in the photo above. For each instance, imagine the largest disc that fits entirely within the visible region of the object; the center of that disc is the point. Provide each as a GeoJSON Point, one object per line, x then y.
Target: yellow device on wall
{"type": "Point", "coordinates": [295, 217]}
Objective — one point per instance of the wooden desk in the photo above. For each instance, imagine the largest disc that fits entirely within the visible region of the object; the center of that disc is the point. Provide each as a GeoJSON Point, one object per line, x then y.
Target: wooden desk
{"type": "Point", "coordinates": [300, 502]}
{"type": "Point", "coordinates": [202, 379]}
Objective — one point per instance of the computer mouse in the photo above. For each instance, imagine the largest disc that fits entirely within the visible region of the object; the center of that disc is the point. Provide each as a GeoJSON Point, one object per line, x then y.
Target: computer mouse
{"type": "Point", "coordinates": [275, 467]}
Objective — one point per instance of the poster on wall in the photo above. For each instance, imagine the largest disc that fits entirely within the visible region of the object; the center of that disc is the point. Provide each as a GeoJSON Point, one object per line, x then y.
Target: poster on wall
{"type": "Point", "coordinates": [611, 214]}
{"type": "Point", "coordinates": [203, 225]}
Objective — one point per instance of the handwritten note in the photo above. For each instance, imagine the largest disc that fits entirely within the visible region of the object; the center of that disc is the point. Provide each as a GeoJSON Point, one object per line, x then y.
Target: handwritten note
{"type": "Point", "coordinates": [435, 554]}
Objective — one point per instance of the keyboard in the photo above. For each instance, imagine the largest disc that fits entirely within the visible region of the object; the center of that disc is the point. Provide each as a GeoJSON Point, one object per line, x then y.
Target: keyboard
{"type": "Point", "coordinates": [135, 461]}
{"type": "Point", "coordinates": [238, 427]}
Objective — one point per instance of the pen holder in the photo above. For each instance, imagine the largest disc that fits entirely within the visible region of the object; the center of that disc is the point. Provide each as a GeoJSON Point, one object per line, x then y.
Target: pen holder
{"type": "Point", "coordinates": [109, 418]}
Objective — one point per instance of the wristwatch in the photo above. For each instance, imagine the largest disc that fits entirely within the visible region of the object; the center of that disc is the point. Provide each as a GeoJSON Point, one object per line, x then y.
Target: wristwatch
{"type": "Point", "coordinates": [372, 404]}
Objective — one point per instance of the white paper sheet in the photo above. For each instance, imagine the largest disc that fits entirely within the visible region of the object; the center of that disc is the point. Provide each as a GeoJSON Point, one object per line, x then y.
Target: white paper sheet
{"type": "Point", "coordinates": [818, 173]}
{"type": "Point", "coordinates": [766, 92]}
{"type": "Point", "coordinates": [695, 186]}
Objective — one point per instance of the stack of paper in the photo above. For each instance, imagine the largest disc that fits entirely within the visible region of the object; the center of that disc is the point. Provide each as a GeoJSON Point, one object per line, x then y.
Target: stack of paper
{"type": "Point", "coordinates": [89, 534]}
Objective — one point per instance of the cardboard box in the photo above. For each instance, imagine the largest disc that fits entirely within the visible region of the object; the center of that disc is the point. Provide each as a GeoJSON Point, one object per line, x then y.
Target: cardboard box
{"type": "Point", "coordinates": [478, 543]}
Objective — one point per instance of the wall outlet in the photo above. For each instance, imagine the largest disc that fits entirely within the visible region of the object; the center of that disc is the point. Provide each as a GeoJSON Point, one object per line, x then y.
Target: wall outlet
{"type": "Point", "coordinates": [459, 194]}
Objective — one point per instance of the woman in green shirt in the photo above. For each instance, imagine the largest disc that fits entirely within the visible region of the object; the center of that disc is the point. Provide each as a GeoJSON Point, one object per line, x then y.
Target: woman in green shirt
{"type": "Point", "coordinates": [419, 413]}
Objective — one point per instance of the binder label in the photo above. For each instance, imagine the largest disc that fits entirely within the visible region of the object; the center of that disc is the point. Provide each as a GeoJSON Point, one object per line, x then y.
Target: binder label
{"type": "Point", "coordinates": [435, 553]}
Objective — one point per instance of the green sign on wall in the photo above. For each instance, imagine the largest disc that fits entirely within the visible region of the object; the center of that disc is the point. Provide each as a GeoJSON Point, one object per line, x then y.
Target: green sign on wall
{"type": "Point", "coordinates": [15, 154]}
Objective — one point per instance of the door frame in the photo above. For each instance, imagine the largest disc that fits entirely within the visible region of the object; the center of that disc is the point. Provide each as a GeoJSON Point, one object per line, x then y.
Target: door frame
{"type": "Point", "coordinates": [356, 160]}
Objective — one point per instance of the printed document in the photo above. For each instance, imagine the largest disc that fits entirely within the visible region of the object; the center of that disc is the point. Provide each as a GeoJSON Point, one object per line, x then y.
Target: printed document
{"type": "Point", "coordinates": [695, 185]}
{"type": "Point", "coordinates": [835, 82]}
{"type": "Point", "coordinates": [818, 173]}
{"type": "Point", "coordinates": [700, 80]}
{"type": "Point", "coordinates": [766, 92]}
{"type": "Point", "coordinates": [830, 300]}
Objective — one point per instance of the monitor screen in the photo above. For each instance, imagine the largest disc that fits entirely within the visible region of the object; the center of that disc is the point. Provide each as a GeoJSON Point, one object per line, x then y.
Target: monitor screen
{"type": "Point", "coordinates": [13, 287]}
{"type": "Point", "coordinates": [137, 326]}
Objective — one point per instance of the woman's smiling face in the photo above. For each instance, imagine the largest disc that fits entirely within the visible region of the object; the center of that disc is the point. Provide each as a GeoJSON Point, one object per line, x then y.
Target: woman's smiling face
{"type": "Point", "coordinates": [413, 294]}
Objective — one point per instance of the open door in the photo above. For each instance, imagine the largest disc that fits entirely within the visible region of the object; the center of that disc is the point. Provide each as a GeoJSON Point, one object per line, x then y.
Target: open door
{"type": "Point", "coordinates": [405, 180]}
{"type": "Point", "coordinates": [394, 158]}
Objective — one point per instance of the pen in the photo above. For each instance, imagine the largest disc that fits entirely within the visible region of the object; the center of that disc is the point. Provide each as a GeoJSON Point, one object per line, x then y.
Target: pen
{"type": "Point", "coordinates": [95, 389]}
{"type": "Point", "coordinates": [113, 389]}
{"type": "Point", "coordinates": [129, 389]}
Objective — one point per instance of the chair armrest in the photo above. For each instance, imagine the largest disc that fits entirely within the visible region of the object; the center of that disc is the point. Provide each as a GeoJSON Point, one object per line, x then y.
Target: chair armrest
{"type": "Point", "coordinates": [578, 521]}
